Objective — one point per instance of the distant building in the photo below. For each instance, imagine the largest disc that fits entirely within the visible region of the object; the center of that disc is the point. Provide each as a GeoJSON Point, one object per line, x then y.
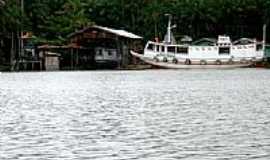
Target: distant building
{"type": "Point", "coordinates": [90, 48]}
{"type": "Point", "coordinates": [52, 61]}
{"type": "Point", "coordinates": [105, 47]}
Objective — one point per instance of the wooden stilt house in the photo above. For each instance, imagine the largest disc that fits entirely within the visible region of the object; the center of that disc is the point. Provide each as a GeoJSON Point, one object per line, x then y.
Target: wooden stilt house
{"type": "Point", "coordinates": [107, 47]}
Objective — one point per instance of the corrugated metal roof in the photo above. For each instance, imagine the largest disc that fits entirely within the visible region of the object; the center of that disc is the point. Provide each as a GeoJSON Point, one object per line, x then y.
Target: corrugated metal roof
{"type": "Point", "coordinates": [2, 2]}
{"type": "Point", "coordinates": [46, 46]}
{"type": "Point", "coordinates": [121, 33]}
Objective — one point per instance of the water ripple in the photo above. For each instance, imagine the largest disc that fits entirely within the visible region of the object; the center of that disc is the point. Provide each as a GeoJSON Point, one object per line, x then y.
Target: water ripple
{"type": "Point", "coordinates": [122, 115]}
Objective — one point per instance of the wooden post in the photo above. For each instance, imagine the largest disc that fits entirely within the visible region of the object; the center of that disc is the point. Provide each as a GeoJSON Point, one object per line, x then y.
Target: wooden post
{"type": "Point", "coordinates": [19, 50]}
{"type": "Point", "coordinates": [77, 57]}
{"type": "Point", "coordinates": [71, 59]}
{"type": "Point", "coordinates": [119, 52]}
{"type": "Point", "coordinates": [40, 63]}
{"type": "Point", "coordinates": [44, 56]}
{"type": "Point", "coordinates": [12, 53]}
{"type": "Point", "coordinates": [124, 55]}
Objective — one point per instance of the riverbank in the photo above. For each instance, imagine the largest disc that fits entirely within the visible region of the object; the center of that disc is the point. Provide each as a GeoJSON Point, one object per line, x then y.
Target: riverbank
{"type": "Point", "coordinates": [6, 68]}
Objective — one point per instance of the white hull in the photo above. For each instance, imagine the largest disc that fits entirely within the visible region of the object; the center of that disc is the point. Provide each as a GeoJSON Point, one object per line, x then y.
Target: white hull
{"type": "Point", "coordinates": [170, 65]}
{"type": "Point", "coordinates": [221, 54]}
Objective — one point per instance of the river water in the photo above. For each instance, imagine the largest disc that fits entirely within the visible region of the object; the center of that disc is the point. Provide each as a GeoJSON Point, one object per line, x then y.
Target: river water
{"type": "Point", "coordinates": [138, 115]}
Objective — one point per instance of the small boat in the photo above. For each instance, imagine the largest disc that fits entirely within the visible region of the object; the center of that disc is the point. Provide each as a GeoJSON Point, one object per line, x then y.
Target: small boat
{"type": "Point", "coordinates": [220, 53]}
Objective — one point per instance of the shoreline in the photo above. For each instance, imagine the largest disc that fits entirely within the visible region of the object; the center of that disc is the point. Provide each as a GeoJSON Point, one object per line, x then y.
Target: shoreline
{"type": "Point", "coordinates": [123, 69]}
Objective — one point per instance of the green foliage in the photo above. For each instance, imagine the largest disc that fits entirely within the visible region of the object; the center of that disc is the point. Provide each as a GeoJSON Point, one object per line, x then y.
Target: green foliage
{"type": "Point", "coordinates": [10, 16]}
{"type": "Point", "coordinates": [52, 20]}
{"type": "Point", "coordinates": [55, 19]}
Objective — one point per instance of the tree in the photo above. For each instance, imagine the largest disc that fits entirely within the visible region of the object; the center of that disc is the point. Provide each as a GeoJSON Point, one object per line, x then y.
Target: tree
{"type": "Point", "coordinates": [10, 16]}
{"type": "Point", "coordinates": [53, 20]}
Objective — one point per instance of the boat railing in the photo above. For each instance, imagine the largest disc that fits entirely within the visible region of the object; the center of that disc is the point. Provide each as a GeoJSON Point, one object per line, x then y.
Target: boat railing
{"type": "Point", "coordinates": [167, 45]}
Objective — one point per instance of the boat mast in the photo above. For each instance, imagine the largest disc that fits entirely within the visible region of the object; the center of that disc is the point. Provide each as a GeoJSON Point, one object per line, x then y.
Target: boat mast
{"type": "Point", "coordinates": [169, 38]}
{"type": "Point", "coordinates": [264, 36]}
{"type": "Point", "coordinates": [169, 27]}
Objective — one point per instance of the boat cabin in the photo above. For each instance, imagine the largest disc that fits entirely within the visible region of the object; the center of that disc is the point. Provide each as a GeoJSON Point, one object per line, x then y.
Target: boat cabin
{"type": "Point", "coordinates": [221, 51]}
{"type": "Point", "coordinates": [224, 41]}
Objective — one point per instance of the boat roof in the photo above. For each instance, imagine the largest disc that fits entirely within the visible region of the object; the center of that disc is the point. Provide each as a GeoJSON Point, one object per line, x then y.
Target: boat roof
{"type": "Point", "coordinates": [186, 38]}
{"type": "Point", "coordinates": [244, 41]}
{"type": "Point", "coordinates": [211, 41]}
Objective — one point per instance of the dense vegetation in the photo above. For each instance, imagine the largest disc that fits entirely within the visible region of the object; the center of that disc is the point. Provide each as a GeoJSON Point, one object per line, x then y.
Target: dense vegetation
{"type": "Point", "coordinates": [53, 20]}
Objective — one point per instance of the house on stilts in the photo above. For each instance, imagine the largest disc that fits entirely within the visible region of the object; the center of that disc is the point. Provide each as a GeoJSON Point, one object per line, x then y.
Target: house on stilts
{"type": "Point", "coordinates": [104, 47]}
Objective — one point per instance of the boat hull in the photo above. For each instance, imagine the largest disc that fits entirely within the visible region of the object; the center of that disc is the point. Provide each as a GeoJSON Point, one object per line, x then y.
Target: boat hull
{"type": "Point", "coordinates": [170, 65]}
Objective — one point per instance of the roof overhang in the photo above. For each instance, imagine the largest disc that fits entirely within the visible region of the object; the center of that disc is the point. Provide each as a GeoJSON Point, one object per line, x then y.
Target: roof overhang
{"type": "Point", "coordinates": [70, 46]}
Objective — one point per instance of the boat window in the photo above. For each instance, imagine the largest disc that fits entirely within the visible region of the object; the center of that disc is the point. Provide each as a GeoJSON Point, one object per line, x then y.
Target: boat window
{"type": "Point", "coordinates": [182, 50]}
{"type": "Point", "coordinates": [162, 49]}
{"type": "Point", "coordinates": [100, 52]}
{"type": "Point", "coordinates": [110, 53]}
{"type": "Point", "coordinates": [158, 48]}
{"type": "Point", "coordinates": [171, 49]}
{"type": "Point", "coordinates": [259, 47]}
{"type": "Point", "coordinates": [150, 47]}
{"type": "Point", "coordinates": [224, 50]}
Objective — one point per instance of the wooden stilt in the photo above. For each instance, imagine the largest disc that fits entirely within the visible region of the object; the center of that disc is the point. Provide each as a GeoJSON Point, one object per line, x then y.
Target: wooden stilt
{"type": "Point", "coordinates": [71, 59]}
{"type": "Point", "coordinates": [77, 57]}
{"type": "Point", "coordinates": [12, 53]}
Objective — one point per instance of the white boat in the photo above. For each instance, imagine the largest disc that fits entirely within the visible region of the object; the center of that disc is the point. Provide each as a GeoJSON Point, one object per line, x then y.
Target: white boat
{"type": "Point", "coordinates": [222, 53]}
